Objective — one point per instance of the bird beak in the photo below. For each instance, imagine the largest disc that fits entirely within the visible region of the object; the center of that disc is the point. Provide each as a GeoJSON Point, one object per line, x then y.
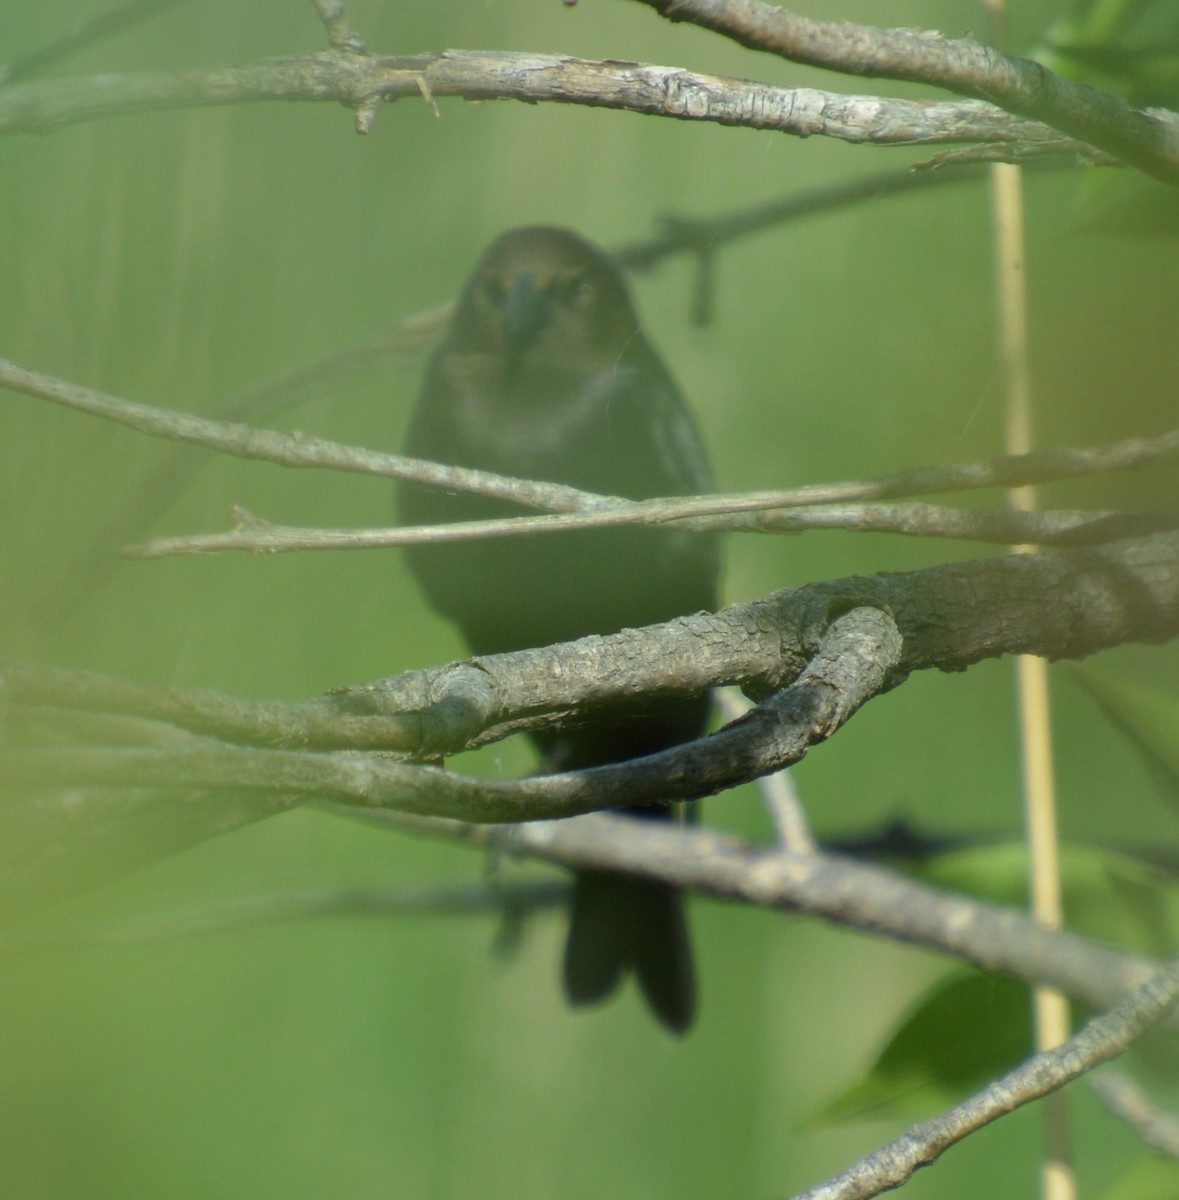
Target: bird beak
{"type": "Point", "coordinates": [527, 310]}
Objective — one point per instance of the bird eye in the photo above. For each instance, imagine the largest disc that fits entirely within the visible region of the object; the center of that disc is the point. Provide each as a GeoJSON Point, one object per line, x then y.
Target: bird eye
{"type": "Point", "coordinates": [572, 289]}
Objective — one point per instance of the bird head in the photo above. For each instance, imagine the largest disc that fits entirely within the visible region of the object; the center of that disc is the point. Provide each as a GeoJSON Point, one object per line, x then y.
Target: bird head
{"type": "Point", "coordinates": [544, 295]}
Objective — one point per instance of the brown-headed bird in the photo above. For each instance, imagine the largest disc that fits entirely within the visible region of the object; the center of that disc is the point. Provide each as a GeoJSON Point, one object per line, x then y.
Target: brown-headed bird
{"type": "Point", "coordinates": [546, 374]}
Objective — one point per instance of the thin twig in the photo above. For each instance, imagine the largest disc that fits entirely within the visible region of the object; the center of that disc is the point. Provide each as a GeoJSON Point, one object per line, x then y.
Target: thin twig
{"type": "Point", "coordinates": [339, 30]}
{"type": "Point", "coordinates": [683, 232]}
{"type": "Point", "coordinates": [1103, 1038]}
{"type": "Point", "coordinates": [255, 535]}
{"type": "Point", "coordinates": [1050, 527]}
{"type": "Point", "coordinates": [1157, 1127]}
{"type": "Point", "coordinates": [84, 34]}
{"type": "Point", "coordinates": [1026, 154]}
{"type": "Point", "coordinates": [289, 450]}
{"type": "Point", "coordinates": [297, 450]}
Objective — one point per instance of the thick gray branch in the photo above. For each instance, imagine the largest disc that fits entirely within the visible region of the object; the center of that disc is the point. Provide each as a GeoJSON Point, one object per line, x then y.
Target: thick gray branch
{"type": "Point", "coordinates": [359, 80]}
{"type": "Point", "coordinates": [1064, 605]}
{"type": "Point", "coordinates": [1148, 140]}
{"type": "Point", "coordinates": [857, 654]}
{"type": "Point", "coordinates": [845, 892]}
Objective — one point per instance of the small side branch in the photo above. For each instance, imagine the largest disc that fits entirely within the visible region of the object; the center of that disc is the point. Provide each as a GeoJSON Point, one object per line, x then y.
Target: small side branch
{"type": "Point", "coordinates": [290, 450]}
{"type": "Point", "coordinates": [84, 34]}
{"type": "Point", "coordinates": [781, 797]}
{"type": "Point", "coordinates": [1103, 1038]}
{"type": "Point", "coordinates": [297, 450]}
{"type": "Point", "coordinates": [339, 29]}
{"type": "Point", "coordinates": [255, 535]}
{"type": "Point", "coordinates": [1123, 1097]}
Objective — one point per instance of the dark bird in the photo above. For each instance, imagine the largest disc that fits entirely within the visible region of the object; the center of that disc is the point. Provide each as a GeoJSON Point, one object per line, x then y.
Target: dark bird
{"type": "Point", "coordinates": [546, 374]}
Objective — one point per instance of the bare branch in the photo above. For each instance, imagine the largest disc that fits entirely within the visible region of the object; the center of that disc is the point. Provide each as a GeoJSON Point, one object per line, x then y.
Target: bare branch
{"type": "Point", "coordinates": [1103, 1038]}
{"type": "Point", "coordinates": [1128, 591]}
{"type": "Point", "coordinates": [297, 450]}
{"type": "Point", "coordinates": [834, 888]}
{"type": "Point", "coordinates": [339, 30]}
{"type": "Point", "coordinates": [742, 514]}
{"type": "Point", "coordinates": [1147, 139]}
{"type": "Point", "coordinates": [1045, 527]}
{"type": "Point", "coordinates": [682, 232]}
{"type": "Point", "coordinates": [837, 889]}
{"type": "Point", "coordinates": [1027, 155]}
{"type": "Point", "coordinates": [356, 80]}
{"type": "Point", "coordinates": [1123, 1097]}
{"type": "Point", "coordinates": [322, 724]}
{"type": "Point", "coordinates": [857, 654]}
{"type": "Point", "coordinates": [950, 616]}
{"type": "Point", "coordinates": [84, 34]}
{"type": "Point", "coordinates": [290, 450]}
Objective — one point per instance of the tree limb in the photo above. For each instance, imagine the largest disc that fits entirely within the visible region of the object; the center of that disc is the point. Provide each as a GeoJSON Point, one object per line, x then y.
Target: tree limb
{"type": "Point", "coordinates": [84, 34]}
{"type": "Point", "coordinates": [847, 893]}
{"type": "Point", "coordinates": [297, 450]}
{"type": "Point", "coordinates": [1061, 605]}
{"type": "Point", "coordinates": [1148, 139]}
{"type": "Point", "coordinates": [856, 655]}
{"type": "Point", "coordinates": [366, 80]}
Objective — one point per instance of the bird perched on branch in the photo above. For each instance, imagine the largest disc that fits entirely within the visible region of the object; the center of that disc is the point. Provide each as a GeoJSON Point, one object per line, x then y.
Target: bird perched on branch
{"type": "Point", "coordinates": [546, 374]}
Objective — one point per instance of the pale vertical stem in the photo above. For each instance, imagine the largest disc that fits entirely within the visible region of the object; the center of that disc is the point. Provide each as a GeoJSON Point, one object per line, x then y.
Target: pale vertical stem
{"type": "Point", "coordinates": [1050, 1007]}
{"type": "Point", "coordinates": [1051, 1012]}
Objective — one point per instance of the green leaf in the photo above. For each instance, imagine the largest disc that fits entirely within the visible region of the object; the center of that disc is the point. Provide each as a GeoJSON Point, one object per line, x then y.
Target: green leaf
{"type": "Point", "coordinates": [965, 1031]}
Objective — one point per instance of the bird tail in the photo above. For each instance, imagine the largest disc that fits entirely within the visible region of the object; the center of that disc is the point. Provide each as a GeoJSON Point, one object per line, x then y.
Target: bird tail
{"type": "Point", "coordinates": [620, 924]}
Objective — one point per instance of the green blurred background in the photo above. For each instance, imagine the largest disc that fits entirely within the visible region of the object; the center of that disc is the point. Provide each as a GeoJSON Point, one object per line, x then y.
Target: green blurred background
{"type": "Point", "coordinates": [176, 258]}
